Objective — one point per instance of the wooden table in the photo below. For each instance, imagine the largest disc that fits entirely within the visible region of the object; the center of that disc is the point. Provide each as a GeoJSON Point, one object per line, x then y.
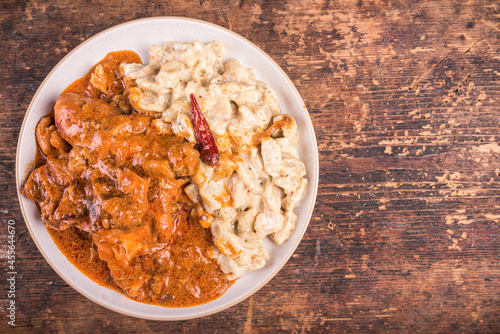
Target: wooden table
{"type": "Point", "coordinates": [404, 97]}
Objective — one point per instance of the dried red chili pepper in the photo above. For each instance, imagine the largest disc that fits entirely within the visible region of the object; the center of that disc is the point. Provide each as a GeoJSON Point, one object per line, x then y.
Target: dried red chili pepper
{"type": "Point", "coordinates": [204, 139]}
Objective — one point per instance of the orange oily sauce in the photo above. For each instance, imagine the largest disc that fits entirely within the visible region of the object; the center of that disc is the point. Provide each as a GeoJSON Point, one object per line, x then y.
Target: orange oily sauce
{"type": "Point", "coordinates": [178, 272]}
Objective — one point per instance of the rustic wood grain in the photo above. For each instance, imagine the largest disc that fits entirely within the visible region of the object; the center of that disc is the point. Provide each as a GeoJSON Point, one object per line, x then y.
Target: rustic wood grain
{"type": "Point", "coordinates": [404, 97]}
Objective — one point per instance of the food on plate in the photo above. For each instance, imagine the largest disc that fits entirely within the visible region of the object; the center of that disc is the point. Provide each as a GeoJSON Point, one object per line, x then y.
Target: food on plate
{"type": "Point", "coordinates": [161, 181]}
{"type": "Point", "coordinates": [110, 186]}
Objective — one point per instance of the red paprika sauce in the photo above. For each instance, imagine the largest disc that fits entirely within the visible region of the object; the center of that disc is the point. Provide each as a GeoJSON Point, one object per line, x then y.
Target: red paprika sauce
{"type": "Point", "coordinates": [109, 183]}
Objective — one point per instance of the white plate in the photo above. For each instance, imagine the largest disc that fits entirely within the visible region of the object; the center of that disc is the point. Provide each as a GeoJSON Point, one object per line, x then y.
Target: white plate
{"type": "Point", "coordinates": [138, 36]}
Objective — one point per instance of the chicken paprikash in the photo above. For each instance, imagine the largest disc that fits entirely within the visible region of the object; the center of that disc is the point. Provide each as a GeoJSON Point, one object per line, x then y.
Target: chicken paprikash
{"type": "Point", "coordinates": [163, 180]}
{"type": "Point", "coordinates": [110, 185]}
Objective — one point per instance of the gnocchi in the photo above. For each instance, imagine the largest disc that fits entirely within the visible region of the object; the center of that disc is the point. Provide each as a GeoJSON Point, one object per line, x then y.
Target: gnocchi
{"type": "Point", "coordinates": [252, 192]}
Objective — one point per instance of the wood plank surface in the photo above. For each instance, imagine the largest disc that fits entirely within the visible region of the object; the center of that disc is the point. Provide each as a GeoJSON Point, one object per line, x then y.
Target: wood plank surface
{"type": "Point", "coordinates": [405, 101]}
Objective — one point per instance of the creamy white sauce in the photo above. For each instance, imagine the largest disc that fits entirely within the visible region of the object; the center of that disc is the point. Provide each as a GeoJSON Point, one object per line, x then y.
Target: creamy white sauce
{"type": "Point", "coordinates": [252, 192]}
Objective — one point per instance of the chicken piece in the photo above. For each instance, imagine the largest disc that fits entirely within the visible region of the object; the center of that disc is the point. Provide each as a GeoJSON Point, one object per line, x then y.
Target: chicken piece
{"type": "Point", "coordinates": [57, 171]}
{"type": "Point", "coordinates": [49, 140]}
{"type": "Point", "coordinates": [78, 118]}
{"type": "Point", "coordinates": [49, 185]}
{"type": "Point", "coordinates": [106, 76]}
{"type": "Point", "coordinates": [184, 158]}
{"type": "Point", "coordinates": [47, 193]}
{"type": "Point", "coordinates": [122, 193]}
{"type": "Point", "coordinates": [72, 209]}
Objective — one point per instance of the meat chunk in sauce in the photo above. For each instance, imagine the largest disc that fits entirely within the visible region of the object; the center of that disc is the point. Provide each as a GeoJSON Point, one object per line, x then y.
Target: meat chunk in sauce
{"type": "Point", "coordinates": [80, 118]}
{"type": "Point", "coordinates": [120, 179]}
{"type": "Point", "coordinates": [49, 139]}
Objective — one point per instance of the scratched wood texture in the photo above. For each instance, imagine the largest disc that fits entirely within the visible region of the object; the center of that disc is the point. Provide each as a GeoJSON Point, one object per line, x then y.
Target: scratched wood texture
{"type": "Point", "coordinates": [404, 97]}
